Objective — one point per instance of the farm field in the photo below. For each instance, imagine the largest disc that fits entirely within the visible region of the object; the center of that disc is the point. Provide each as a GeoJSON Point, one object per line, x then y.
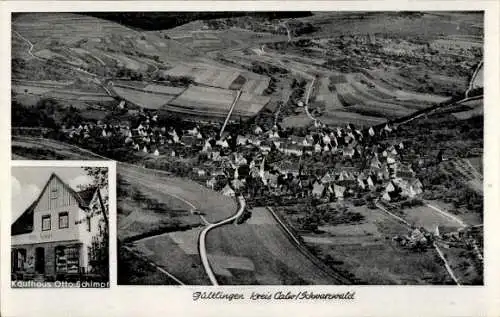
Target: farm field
{"type": "Point", "coordinates": [433, 24]}
{"type": "Point", "coordinates": [254, 84]}
{"type": "Point", "coordinates": [464, 115]}
{"type": "Point", "coordinates": [469, 218]}
{"type": "Point", "coordinates": [464, 172]}
{"type": "Point", "coordinates": [143, 86]}
{"type": "Point", "coordinates": [388, 91]}
{"type": "Point", "coordinates": [209, 76]}
{"type": "Point", "coordinates": [43, 83]}
{"type": "Point", "coordinates": [341, 117]}
{"type": "Point", "coordinates": [330, 98]}
{"type": "Point", "coordinates": [65, 37]}
{"type": "Point", "coordinates": [46, 149]}
{"type": "Point", "coordinates": [366, 250]}
{"type": "Point", "coordinates": [177, 254]}
{"type": "Point", "coordinates": [61, 90]}
{"type": "Point", "coordinates": [213, 205]}
{"type": "Point", "coordinates": [136, 270]}
{"type": "Point", "coordinates": [69, 28]}
{"type": "Point", "coordinates": [264, 255]}
{"type": "Point", "coordinates": [143, 99]}
{"type": "Point", "coordinates": [33, 90]}
{"type": "Point", "coordinates": [217, 101]}
{"type": "Point", "coordinates": [428, 218]}
{"type": "Point", "coordinates": [146, 212]}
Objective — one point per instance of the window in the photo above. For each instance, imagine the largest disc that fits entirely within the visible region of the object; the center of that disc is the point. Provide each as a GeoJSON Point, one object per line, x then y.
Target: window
{"type": "Point", "coordinates": [45, 222]}
{"type": "Point", "coordinates": [63, 220]}
{"type": "Point", "coordinates": [88, 224]}
{"type": "Point", "coordinates": [53, 192]}
{"type": "Point", "coordinates": [61, 259]}
{"type": "Point", "coordinates": [72, 259]}
{"type": "Point", "coordinates": [67, 259]}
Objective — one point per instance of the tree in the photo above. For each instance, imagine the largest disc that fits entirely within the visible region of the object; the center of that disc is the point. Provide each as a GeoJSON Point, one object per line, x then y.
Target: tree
{"type": "Point", "coordinates": [99, 249]}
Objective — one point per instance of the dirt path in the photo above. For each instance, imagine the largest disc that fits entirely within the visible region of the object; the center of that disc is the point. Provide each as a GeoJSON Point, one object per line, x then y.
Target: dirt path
{"type": "Point", "coordinates": [30, 50]}
{"type": "Point", "coordinates": [446, 264]}
{"type": "Point", "coordinates": [448, 215]}
{"type": "Point", "coordinates": [235, 101]}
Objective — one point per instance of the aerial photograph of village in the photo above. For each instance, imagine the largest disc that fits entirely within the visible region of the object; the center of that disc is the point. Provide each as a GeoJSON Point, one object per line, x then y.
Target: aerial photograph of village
{"type": "Point", "coordinates": [267, 148]}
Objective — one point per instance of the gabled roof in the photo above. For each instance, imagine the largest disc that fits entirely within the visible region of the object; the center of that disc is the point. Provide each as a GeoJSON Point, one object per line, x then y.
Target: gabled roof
{"type": "Point", "coordinates": [86, 195]}
{"type": "Point", "coordinates": [24, 223]}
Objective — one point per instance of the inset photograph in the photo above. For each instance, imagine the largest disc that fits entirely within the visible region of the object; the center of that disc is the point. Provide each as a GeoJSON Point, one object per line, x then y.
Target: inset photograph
{"type": "Point", "coordinates": [60, 229]}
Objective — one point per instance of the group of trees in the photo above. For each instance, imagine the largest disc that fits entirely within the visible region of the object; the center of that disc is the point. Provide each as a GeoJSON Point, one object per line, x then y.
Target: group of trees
{"type": "Point", "coordinates": [99, 249]}
{"type": "Point", "coordinates": [47, 113]}
{"type": "Point", "coordinates": [267, 69]}
{"type": "Point", "coordinates": [312, 216]}
{"type": "Point", "coordinates": [176, 81]}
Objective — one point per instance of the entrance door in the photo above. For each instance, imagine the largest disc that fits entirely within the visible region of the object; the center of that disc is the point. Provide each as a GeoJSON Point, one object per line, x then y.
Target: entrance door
{"type": "Point", "coordinates": [40, 260]}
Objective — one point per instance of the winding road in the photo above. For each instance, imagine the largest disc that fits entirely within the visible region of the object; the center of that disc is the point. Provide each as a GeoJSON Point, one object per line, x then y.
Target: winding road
{"type": "Point", "coordinates": [30, 50]}
{"type": "Point", "coordinates": [306, 101]}
{"type": "Point", "coordinates": [202, 239]}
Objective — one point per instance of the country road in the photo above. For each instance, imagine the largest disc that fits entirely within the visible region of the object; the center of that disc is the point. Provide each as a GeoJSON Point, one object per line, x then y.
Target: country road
{"type": "Point", "coordinates": [202, 239]}
{"type": "Point", "coordinates": [30, 50]}
{"type": "Point", "coordinates": [306, 101]}
{"type": "Point", "coordinates": [235, 101]}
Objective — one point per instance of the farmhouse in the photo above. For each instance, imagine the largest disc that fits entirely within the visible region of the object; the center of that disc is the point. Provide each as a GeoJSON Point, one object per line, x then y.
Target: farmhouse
{"type": "Point", "coordinates": [228, 191]}
{"type": "Point", "coordinates": [339, 191]}
{"type": "Point", "coordinates": [318, 189]}
{"type": "Point", "coordinates": [54, 236]}
{"type": "Point", "coordinates": [291, 149]}
{"type": "Point", "coordinates": [241, 140]}
{"type": "Point", "coordinates": [211, 183]}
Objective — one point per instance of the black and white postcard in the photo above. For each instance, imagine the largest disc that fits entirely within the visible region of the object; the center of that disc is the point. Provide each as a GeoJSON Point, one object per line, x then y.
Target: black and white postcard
{"type": "Point", "coordinates": [265, 154]}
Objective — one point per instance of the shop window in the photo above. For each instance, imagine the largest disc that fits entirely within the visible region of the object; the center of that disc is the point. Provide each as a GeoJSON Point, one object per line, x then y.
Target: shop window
{"type": "Point", "coordinates": [67, 259]}
{"type": "Point", "coordinates": [73, 259]}
{"type": "Point", "coordinates": [61, 260]}
{"type": "Point", "coordinates": [45, 222]}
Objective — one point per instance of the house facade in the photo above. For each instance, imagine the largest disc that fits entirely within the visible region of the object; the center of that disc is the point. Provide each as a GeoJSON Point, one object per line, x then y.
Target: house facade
{"type": "Point", "coordinates": [55, 235]}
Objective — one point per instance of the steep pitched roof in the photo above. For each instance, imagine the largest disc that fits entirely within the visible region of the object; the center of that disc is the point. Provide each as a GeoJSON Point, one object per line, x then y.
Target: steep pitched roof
{"type": "Point", "coordinates": [86, 195]}
{"type": "Point", "coordinates": [24, 223]}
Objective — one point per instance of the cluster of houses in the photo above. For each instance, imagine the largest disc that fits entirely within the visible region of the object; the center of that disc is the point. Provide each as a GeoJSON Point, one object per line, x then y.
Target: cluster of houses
{"type": "Point", "coordinates": [416, 238]}
{"type": "Point", "coordinates": [231, 160]}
